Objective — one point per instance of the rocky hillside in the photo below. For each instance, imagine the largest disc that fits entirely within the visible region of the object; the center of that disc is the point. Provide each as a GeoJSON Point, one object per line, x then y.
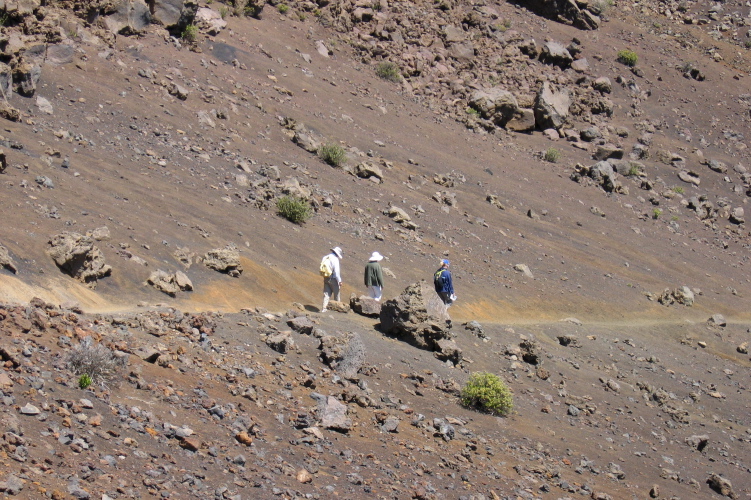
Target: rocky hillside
{"type": "Point", "coordinates": [584, 166]}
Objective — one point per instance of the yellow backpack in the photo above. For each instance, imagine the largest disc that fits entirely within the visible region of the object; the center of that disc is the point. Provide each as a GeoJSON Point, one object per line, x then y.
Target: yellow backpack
{"type": "Point", "coordinates": [326, 267]}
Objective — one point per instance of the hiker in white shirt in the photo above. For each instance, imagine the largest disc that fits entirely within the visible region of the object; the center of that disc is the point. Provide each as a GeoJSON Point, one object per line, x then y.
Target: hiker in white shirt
{"type": "Point", "coordinates": [332, 284]}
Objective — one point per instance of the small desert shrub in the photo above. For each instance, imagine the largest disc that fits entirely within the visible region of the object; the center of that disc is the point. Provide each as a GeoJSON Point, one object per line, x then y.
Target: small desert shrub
{"type": "Point", "coordinates": [223, 11]}
{"type": "Point", "coordinates": [389, 71]}
{"type": "Point", "coordinates": [747, 44]}
{"type": "Point", "coordinates": [486, 392]}
{"type": "Point", "coordinates": [633, 170]}
{"type": "Point", "coordinates": [352, 358]}
{"type": "Point", "coordinates": [627, 57]}
{"type": "Point", "coordinates": [333, 154]}
{"type": "Point", "coordinates": [190, 33]}
{"type": "Point", "coordinates": [97, 362]}
{"type": "Point", "coordinates": [294, 209]}
{"type": "Point", "coordinates": [678, 189]}
{"type": "Point", "coordinates": [656, 213]}
{"type": "Point", "coordinates": [552, 155]}
{"type": "Point", "coordinates": [283, 8]}
{"type": "Point", "coordinates": [84, 381]}
{"type": "Point", "coordinates": [473, 112]}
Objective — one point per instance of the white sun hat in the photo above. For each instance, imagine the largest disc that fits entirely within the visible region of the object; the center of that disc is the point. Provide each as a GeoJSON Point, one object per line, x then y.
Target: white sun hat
{"type": "Point", "coordinates": [376, 257]}
{"type": "Point", "coordinates": [337, 251]}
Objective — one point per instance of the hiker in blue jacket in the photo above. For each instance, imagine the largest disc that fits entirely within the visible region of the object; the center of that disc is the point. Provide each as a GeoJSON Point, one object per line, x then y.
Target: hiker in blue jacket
{"type": "Point", "coordinates": [443, 284]}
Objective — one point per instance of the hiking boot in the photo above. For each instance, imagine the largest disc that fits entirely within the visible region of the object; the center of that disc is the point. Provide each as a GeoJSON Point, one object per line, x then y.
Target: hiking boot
{"type": "Point", "coordinates": [324, 310]}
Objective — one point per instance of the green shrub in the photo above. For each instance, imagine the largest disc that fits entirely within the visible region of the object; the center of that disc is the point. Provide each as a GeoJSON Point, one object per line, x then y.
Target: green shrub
{"type": "Point", "coordinates": [223, 11]}
{"type": "Point", "coordinates": [678, 189]}
{"type": "Point", "coordinates": [747, 44]}
{"type": "Point", "coordinates": [190, 33]}
{"type": "Point", "coordinates": [473, 112]}
{"type": "Point", "coordinates": [552, 155]}
{"type": "Point", "coordinates": [283, 8]}
{"type": "Point", "coordinates": [633, 170]}
{"type": "Point", "coordinates": [84, 381]}
{"type": "Point", "coordinates": [389, 71]}
{"type": "Point", "coordinates": [294, 209]}
{"type": "Point", "coordinates": [486, 392]}
{"type": "Point", "coordinates": [656, 213]}
{"type": "Point", "coordinates": [627, 57]}
{"type": "Point", "coordinates": [333, 154]}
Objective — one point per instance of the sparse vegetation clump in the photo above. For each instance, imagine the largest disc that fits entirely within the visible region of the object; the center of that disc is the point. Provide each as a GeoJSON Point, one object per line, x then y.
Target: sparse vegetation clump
{"type": "Point", "coordinates": [473, 112]}
{"type": "Point", "coordinates": [628, 57]}
{"type": "Point", "coordinates": [85, 381]}
{"type": "Point", "coordinates": [678, 190]}
{"type": "Point", "coordinates": [333, 154]}
{"type": "Point", "coordinates": [656, 213]}
{"type": "Point", "coordinates": [552, 155]}
{"type": "Point", "coordinates": [190, 33]}
{"type": "Point", "coordinates": [283, 8]}
{"type": "Point", "coordinates": [389, 71]}
{"type": "Point", "coordinates": [486, 392]}
{"type": "Point", "coordinates": [633, 170]}
{"type": "Point", "coordinates": [94, 363]}
{"type": "Point", "coordinates": [294, 209]}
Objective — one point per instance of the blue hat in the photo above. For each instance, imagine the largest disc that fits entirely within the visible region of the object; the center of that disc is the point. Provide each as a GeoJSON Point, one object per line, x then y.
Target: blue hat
{"type": "Point", "coordinates": [445, 261]}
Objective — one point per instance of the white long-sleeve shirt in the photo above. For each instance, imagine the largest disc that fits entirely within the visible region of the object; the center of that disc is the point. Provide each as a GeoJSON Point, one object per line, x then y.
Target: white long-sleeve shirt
{"type": "Point", "coordinates": [335, 268]}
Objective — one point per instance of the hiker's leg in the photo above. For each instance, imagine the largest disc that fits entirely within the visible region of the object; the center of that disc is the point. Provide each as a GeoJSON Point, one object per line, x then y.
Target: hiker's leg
{"type": "Point", "coordinates": [376, 291]}
{"type": "Point", "coordinates": [335, 291]}
{"type": "Point", "coordinates": [326, 294]}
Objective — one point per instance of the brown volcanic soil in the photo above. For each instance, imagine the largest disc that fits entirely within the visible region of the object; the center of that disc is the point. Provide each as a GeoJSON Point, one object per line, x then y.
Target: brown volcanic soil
{"type": "Point", "coordinates": [114, 126]}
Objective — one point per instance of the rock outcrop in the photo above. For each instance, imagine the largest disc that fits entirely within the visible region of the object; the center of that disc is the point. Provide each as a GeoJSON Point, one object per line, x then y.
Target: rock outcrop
{"type": "Point", "coordinates": [170, 283]}
{"type": "Point", "coordinates": [225, 260]}
{"type": "Point", "coordinates": [77, 256]}
{"type": "Point", "coordinates": [419, 317]}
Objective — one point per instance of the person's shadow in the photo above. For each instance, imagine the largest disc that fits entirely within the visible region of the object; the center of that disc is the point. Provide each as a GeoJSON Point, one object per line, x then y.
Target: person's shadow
{"type": "Point", "coordinates": [310, 308]}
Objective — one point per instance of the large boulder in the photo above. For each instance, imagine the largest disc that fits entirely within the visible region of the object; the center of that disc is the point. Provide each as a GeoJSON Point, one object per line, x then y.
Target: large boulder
{"type": "Point", "coordinates": [556, 54]}
{"type": "Point", "coordinates": [365, 306]}
{"type": "Point", "coordinates": [332, 413]}
{"type": "Point", "coordinates": [128, 18]}
{"type": "Point", "coordinates": [174, 13]}
{"type": "Point", "coordinates": [418, 316]}
{"type": "Point", "coordinates": [170, 283]}
{"type": "Point", "coordinates": [582, 15]}
{"type": "Point", "coordinates": [225, 260]}
{"type": "Point", "coordinates": [551, 107]}
{"type": "Point", "coordinates": [76, 255]}
{"type": "Point", "coordinates": [210, 21]}
{"type": "Point", "coordinates": [496, 105]}
{"type": "Point", "coordinates": [25, 78]}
